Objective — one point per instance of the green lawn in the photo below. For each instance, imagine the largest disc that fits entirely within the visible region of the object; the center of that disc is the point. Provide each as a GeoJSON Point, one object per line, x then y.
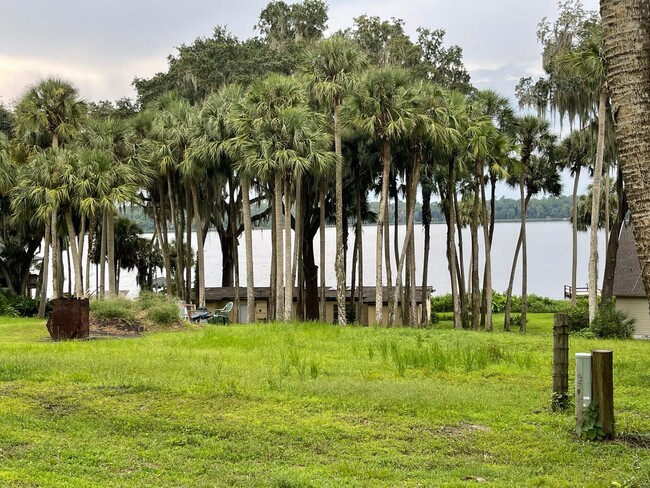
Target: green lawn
{"type": "Point", "coordinates": [307, 405]}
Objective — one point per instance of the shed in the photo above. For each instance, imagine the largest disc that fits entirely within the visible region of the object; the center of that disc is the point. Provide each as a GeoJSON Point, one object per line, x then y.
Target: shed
{"type": "Point", "coordinates": [629, 291]}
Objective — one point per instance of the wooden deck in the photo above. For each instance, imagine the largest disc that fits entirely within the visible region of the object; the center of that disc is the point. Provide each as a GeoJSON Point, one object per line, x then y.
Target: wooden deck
{"type": "Point", "coordinates": [580, 291]}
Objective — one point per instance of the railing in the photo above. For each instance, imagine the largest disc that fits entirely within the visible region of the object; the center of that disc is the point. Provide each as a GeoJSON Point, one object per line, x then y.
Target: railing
{"type": "Point", "coordinates": [580, 291]}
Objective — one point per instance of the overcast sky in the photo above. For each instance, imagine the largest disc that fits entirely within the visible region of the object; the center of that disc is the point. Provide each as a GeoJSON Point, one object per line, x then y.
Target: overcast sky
{"type": "Point", "coordinates": [101, 45]}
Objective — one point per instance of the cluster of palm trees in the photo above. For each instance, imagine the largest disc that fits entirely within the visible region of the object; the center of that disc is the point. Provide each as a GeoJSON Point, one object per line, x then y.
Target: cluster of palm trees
{"type": "Point", "coordinates": [297, 150]}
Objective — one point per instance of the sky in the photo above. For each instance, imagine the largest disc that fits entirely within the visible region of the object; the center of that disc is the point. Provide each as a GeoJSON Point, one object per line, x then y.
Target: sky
{"type": "Point", "coordinates": [101, 45]}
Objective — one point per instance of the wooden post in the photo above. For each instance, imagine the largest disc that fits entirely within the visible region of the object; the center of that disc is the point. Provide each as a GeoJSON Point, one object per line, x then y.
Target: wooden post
{"type": "Point", "coordinates": [560, 361]}
{"type": "Point", "coordinates": [583, 386]}
{"type": "Point", "coordinates": [603, 389]}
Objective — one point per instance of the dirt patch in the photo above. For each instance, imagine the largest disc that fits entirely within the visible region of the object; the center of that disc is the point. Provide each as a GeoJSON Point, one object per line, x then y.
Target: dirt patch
{"type": "Point", "coordinates": [463, 427]}
{"type": "Point", "coordinates": [115, 328]}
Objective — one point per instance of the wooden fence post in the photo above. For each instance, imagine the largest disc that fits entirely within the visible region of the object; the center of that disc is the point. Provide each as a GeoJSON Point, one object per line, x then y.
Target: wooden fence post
{"type": "Point", "coordinates": [603, 389]}
{"type": "Point", "coordinates": [560, 361]}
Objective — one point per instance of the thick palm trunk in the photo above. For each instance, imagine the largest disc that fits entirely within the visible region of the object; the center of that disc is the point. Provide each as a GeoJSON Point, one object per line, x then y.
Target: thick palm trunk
{"type": "Point", "coordinates": [340, 254]}
{"type": "Point", "coordinates": [279, 250]}
{"type": "Point", "coordinates": [322, 190]}
{"type": "Point", "coordinates": [164, 242]}
{"type": "Point", "coordinates": [379, 298]}
{"type": "Point", "coordinates": [45, 270]}
{"type": "Point", "coordinates": [74, 250]}
{"type": "Point", "coordinates": [91, 243]}
{"type": "Point", "coordinates": [595, 206]}
{"type": "Point", "coordinates": [199, 243]}
{"type": "Point", "coordinates": [248, 237]}
{"type": "Point", "coordinates": [387, 262]}
{"type": "Point", "coordinates": [574, 263]}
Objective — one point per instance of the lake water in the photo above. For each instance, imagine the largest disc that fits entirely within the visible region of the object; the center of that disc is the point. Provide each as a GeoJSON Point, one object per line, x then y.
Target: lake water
{"type": "Point", "coordinates": [549, 257]}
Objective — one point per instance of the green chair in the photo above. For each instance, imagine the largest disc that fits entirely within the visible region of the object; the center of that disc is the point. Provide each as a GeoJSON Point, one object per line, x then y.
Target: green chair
{"type": "Point", "coordinates": [221, 314]}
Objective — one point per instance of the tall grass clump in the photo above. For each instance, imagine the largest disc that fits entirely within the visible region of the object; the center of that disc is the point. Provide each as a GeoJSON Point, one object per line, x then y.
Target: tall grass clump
{"type": "Point", "coordinates": [117, 308]}
{"type": "Point", "coordinates": [160, 309]}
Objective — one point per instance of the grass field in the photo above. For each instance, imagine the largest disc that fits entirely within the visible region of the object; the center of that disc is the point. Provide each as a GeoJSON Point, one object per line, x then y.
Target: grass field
{"type": "Point", "coordinates": [308, 405]}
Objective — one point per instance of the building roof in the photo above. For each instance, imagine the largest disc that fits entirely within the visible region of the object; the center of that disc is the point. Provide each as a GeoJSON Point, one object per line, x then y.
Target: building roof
{"type": "Point", "coordinates": [263, 292]}
{"type": "Point", "coordinates": [627, 276]}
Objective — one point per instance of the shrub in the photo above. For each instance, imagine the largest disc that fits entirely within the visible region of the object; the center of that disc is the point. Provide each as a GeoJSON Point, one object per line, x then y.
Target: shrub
{"type": "Point", "coordinates": [114, 309]}
{"type": "Point", "coordinates": [442, 303]}
{"type": "Point", "coordinates": [6, 310]}
{"type": "Point", "coordinates": [164, 314]}
{"type": "Point", "coordinates": [578, 317]}
{"type": "Point", "coordinates": [610, 323]}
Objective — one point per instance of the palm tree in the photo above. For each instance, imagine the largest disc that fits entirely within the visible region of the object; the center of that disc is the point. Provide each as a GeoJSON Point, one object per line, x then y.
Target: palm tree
{"type": "Point", "coordinates": [48, 116]}
{"type": "Point", "coordinates": [172, 130]}
{"type": "Point", "coordinates": [280, 138]}
{"type": "Point", "coordinates": [575, 152]}
{"type": "Point", "coordinates": [332, 66]}
{"type": "Point", "coordinates": [533, 173]}
{"type": "Point", "coordinates": [627, 53]}
{"type": "Point", "coordinates": [383, 108]}
{"type": "Point", "coordinates": [587, 62]}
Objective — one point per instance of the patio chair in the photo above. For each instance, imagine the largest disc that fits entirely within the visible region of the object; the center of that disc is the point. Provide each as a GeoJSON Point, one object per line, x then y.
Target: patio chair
{"type": "Point", "coordinates": [221, 314]}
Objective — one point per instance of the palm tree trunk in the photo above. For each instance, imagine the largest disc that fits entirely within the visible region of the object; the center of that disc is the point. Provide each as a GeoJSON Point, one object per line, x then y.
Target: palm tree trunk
{"type": "Point", "coordinates": [511, 281]}
{"type": "Point", "coordinates": [612, 244]}
{"type": "Point", "coordinates": [180, 252]}
{"type": "Point", "coordinates": [487, 276]}
{"type": "Point", "coordinates": [288, 281]}
{"type": "Point", "coordinates": [102, 255]}
{"type": "Point", "coordinates": [91, 243]}
{"type": "Point", "coordinates": [379, 295]}
{"type": "Point", "coordinates": [110, 245]}
{"type": "Point", "coordinates": [57, 291]}
{"type": "Point", "coordinates": [359, 241]}
{"type": "Point", "coordinates": [476, 292]}
{"type": "Point", "coordinates": [189, 258]}
{"type": "Point", "coordinates": [199, 243]}
{"type": "Point", "coordinates": [574, 263]}
{"type": "Point", "coordinates": [297, 247]}
{"type": "Point", "coordinates": [164, 242]}
{"type": "Point", "coordinates": [340, 254]}
{"type": "Point", "coordinates": [387, 263]}
{"type": "Point", "coordinates": [279, 250]}
{"type": "Point", "coordinates": [74, 250]}
{"type": "Point", "coordinates": [45, 266]}
{"type": "Point", "coordinates": [322, 190]}
{"type": "Point", "coordinates": [524, 255]}
{"type": "Point", "coordinates": [411, 188]}
{"type": "Point", "coordinates": [248, 237]}
{"type": "Point", "coordinates": [460, 265]}
{"type": "Point", "coordinates": [595, 205]}
{"type": "Point", "coordinates": [426, 223]}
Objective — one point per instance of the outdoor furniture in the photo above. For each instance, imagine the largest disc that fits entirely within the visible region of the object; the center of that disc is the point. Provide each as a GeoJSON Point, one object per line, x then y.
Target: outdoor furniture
{"type": "Point", "coordinates": [221, 314]}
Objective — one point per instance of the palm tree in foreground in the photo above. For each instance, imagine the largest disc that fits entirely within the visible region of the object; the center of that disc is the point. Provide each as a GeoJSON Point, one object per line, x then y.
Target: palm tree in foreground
{"type": "Point", "coordinates": [383, 108]}
{"type": "Point", "coordinates": [332, 66]}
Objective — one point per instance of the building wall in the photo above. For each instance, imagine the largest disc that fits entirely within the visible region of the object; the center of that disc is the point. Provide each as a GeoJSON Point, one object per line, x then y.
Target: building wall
{"type": "Point", "coordinates": [636, 308]}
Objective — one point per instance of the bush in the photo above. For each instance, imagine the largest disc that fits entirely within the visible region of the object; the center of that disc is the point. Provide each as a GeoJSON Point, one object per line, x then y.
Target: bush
{"type": "Point", "coordinates": [114, 309]}
{"type": "Point", "coordinates": [578, 317]}
{"type": "Point", "coordinates": [149, 299]}
{"type": "Point", "coordinates": [164, 314]}
{"type": "Point", "coordinates": [610, 323]}
{"type": "Point", "coordinates": [442, 303]}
